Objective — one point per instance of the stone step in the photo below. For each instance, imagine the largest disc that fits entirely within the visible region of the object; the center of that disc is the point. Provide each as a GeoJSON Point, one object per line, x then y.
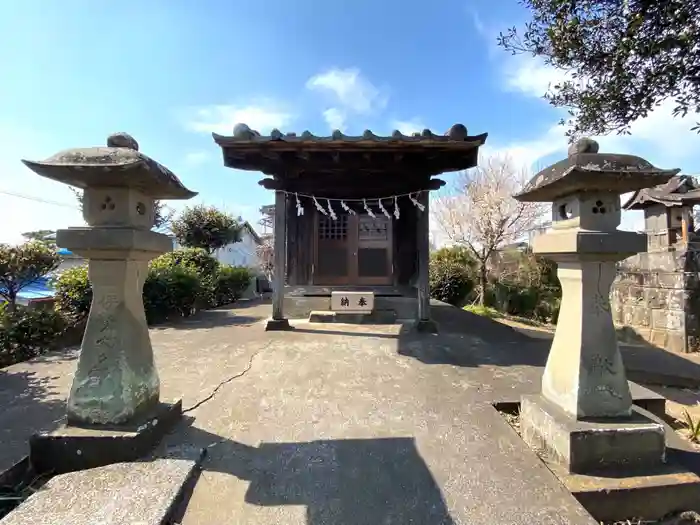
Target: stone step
{"type": "Point", "coordinates": [143, 492]}
{"type": "Point", "coordinates": [375, 317]}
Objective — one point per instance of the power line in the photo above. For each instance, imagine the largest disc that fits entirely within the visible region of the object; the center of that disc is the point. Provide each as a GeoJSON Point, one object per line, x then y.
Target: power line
{"type": "Point", "coordinates": [38, 199]}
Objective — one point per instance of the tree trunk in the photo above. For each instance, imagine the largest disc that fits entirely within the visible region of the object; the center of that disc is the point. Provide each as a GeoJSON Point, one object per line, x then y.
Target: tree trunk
{"type": "Point", "coordinates": [483, 283]}
{"type": "Point", "coordinates": [11, 301]}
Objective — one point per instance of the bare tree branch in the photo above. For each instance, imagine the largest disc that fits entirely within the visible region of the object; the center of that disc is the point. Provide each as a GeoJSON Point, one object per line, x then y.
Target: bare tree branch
{"type": "Point", "coordinates": [480, 212]}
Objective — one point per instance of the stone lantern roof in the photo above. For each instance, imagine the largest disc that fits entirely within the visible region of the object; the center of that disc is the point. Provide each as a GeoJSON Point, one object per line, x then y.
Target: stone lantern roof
{"type": "Point", "coordinates": [585, 169]}
{"type": "Point", "coordinates": [120, 164]}
{"type": "Point", "coordinates": [681, 190]}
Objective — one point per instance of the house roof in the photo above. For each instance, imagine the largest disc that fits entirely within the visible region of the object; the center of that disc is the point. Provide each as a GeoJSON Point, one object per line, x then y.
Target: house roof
{"type": "Point", "coordinates": [287, 155]}
{"type": "Point", "coordinates": [681, 190]}
{"type": "Point", "coordinates": [247, 226]}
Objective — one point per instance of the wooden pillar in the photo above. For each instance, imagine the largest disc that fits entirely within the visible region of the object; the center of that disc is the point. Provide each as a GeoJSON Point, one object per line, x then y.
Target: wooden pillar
{"type": "Point", "coordinates": [278, 321]}
{"type": "Point", "coordinates": [424, 323]}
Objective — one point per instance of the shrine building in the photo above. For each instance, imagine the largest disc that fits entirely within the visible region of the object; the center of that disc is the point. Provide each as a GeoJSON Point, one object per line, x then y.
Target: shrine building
{"type": "Point", "coordinates": [351, 214]}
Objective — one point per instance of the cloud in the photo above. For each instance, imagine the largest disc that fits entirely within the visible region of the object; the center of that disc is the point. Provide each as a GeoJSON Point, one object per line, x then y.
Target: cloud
{"type": "Point", "coordinates": [335, 118]}
{"type": "Point", "coordinates": [407, 127]}
{"type": "Point", "coordinates": [349, 93]}
{"type": "Point", "coordinates": [262, 115]}
{"type": "Point", "coordinates": [530, 75]}
{"type": "Point", "coordinates": [662, 138]}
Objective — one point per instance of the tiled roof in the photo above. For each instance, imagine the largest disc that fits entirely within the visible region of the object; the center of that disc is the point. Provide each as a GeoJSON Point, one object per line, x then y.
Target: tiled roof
{"type": "Point", "coordinates": [242, 134]}
{"type": "Point", "coordinates": [679, 191]}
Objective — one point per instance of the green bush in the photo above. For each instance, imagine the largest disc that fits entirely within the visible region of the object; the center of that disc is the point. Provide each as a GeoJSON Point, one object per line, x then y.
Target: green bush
{"type": "Point", "coordinates": [197, 258]}
{"type": "Point", "coordinates": [178, 284]}
{"type": "Point", "coordinates": [199, 261]}
{"type": "Point", "coordinates": [73, 294]}
{"type": "Point", "coordinates": [230, 283]}
{"type": "Point", "coordinates": [26, 333]}
{"type": "Point", "coordinates": [449, 282]}
{"type": "Point", "coordinates": [171, 291]}
{"type": "Point", "coordinates": [459, 255]}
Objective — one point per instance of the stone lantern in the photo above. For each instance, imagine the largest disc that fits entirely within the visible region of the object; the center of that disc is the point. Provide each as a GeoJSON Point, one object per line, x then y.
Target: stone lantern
{"type": "Point", "coordinates": [116, 381]}
{"type": "Point", "coordinates": [584, 415]}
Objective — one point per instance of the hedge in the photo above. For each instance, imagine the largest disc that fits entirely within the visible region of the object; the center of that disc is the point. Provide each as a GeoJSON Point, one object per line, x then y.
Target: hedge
{"type": "Point", "coordinates": [178, 284]}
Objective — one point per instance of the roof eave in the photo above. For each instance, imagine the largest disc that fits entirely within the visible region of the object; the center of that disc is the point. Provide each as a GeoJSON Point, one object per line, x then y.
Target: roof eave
{"type": "Point", "coordinates": [362, 142]}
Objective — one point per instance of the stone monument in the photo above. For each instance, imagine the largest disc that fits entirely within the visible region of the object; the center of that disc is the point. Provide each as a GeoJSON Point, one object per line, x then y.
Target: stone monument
{"type": "Point", "coordinates": [116, 382]}
{"type": "Point", "coordinates": [656, 295]}
{"type": "Point", "coordinates": [584, 416]}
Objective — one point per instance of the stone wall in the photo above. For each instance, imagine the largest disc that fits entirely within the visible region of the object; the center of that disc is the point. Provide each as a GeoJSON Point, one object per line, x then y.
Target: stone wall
{"type": "Point", "coordinates": [657, 296]}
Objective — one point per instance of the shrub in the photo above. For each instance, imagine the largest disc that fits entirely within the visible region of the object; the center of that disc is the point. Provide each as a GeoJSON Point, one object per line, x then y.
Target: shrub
{"type": "Point", "coordinates": [197, 258]}
{"type": "Point", "coordinates": [178, 284]}
{"type": "Point", "coordinates": [26, 333]}
{"type": "Point", "coordinates": [229, 284]}
{"type": "Point", "coordinates": [171, 291]}
{"type": "Point", "coordinates": [459, 255]}
{"type": "Point", "coordinates": [199, 261]}
{"type": "Point", "coordinates": [449, 282]}
{"type": "Point", "coordinates": [23, 265]}
{"type": "Point", "coordinates": [73, 294]}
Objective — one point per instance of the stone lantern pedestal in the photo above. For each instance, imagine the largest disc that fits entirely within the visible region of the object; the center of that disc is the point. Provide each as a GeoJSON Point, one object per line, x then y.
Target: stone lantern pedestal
{"type": "Point", "coordinates": [114, 412]}
{"type": "Point", "coordinates": [584, 417]}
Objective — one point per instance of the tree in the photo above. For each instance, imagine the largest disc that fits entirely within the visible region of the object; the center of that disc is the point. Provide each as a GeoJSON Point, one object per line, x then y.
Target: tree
{"type": "Point", "coordinates": [482, 215]}
{"type": "Point", "coordinates": [23, 265]}
{"type": "Point", "coordinates": [206, 227]}
{"type": "Point", "coordinates": [47, 237]}
{"type": "Point", "coordinates": [266, 256]}
{"type": "Point", "coordinates": [624, 57]}
{"type": "Point", "coordinates": [163, 214]}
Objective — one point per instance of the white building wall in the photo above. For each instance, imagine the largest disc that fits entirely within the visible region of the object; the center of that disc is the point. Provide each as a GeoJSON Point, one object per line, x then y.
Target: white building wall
{"type": "Point", "coordinates": [239, 253]}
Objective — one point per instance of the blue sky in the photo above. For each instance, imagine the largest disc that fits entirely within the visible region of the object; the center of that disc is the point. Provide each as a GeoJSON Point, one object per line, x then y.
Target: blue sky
{"type": "Point", "coordinates": [171, 72]}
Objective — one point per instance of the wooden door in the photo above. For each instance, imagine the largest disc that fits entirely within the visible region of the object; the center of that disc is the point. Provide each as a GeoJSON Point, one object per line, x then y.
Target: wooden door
{"type": "Point", "coordinates": [373, 263]}
{"type": "Point", "coordinates": [353, 250]}
{"type": "Point", "coordinates": [332, 258]}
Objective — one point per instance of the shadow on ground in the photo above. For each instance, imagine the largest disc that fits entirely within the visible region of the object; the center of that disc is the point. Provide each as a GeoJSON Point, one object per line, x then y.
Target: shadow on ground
{"type": "Point", "coordinates": [348, 481]}
{"type": "Point", "coordinates": [208, 319]}
{"type": "Point", "coordinates": [471, 340]}
{"type": "Point", "coordinates": [28, 406]}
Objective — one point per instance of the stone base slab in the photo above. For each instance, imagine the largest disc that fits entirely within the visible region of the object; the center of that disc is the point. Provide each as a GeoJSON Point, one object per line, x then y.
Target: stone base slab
{"type": "Point", "coordinates": [591, 446]}
{"type": "Point", "coordinates": [144, 492]}
{"type": "Point", "coordinates": [641, 396]}
{"type": "Point", "coordinates": [70, 448]}
{"type": "Point", "coordinates": [375, 317]}
{"type": "Point", "coordinates": [650, 495]}
{"type": "Point", "coordinates": [277, 325]}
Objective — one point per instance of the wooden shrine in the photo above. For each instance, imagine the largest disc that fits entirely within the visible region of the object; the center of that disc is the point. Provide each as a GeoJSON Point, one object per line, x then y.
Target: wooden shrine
{"type": "Point", "coordinates": [351, 212]}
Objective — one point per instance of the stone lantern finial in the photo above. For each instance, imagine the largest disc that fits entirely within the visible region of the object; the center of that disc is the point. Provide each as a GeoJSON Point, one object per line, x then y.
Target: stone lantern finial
{"type": "Point", "coordinates": [122, 140]}
{"type": "Point", "coordinates": [583, 145]}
